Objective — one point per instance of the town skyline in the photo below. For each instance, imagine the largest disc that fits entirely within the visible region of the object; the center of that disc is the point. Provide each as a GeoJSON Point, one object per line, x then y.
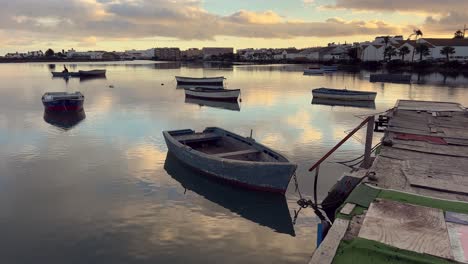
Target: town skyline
{"type": "Point", "coordinates": [129, 24]}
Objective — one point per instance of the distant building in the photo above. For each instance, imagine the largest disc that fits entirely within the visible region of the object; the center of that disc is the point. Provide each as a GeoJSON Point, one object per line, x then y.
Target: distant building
{"type": "Point", "coordinates": [139, 54]}
{"type": "Point", "coordinates": [167, 54]}
{"type": "Point", "coordinates": [90, 55]}
{"type": "Point", "coordinates": [192, 54]}
{"type": "Point", "coordinates": [210, 53]}
{"type": "Point", "coordinates": [29, 54]}
{"type": "Point", "coordinates": [287, 54]}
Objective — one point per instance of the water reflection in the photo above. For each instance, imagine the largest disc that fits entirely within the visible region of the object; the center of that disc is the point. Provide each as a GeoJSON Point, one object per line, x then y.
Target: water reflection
{"type": "Point", "coordinates": [265, 209]}
{"type": "Point", "coordinates": [233, 106]}
{"type": "Point", "coordinates": [64, 120]}
{"type": "Point", "coordinates": [91, 78]}
{"type": "Point", "coordinates": [188, 86]}
{"type": "Point", "coordinates": [331, 102]}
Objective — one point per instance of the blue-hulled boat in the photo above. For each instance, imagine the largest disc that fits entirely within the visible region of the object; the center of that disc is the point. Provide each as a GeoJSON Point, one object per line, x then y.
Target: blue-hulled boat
{"type": "Point", "coordinates": [231, 158]}
{"type": "Point", "coordinates": [343, 94]}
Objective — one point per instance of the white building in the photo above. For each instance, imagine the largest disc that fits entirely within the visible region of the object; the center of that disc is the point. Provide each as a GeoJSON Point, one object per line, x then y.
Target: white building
{"type": "Point", "coordinates": [93, 55]}
{"type": "Point", "coordinates": [140, 54]}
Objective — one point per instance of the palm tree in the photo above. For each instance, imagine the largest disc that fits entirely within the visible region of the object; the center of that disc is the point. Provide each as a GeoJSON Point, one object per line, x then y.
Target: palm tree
{"type": "Point", "coordinates": [459, 34]}
{"type": "Point", "coordinates": [389, 52]}
{"type": "Point", "coordinates": [447, 51]}
{"type": "Point", "coordinates": [403, 52]}
{"type": "Point", "coordinates": [416, 34]}
{"type": "Point", "coordinates": [422, 50]}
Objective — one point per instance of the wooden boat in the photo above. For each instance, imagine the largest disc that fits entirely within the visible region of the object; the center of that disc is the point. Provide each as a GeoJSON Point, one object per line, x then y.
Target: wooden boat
{"type": "Point", "coordinates": [217, 81]}
{"type": "Point", "coordinates": [92, 73]}
{"type": "Point", "coordinates": [64, 120]}
{"type": "Point", "coordinates": [65, 74]}
{"type": "Point", "coordinates": [62, 101]}
{"type": "Point", "coordinates": [213, 94]}
{"type": "Point", "coordinates": [231, 158]}
{"type": "Point", "coordinates": [228, 105]}
{"type": "Point", "coordinates": [334, 102]}
{"type": "Point", "coordinates": [343, 94]}
{"type": "Point", "coordinates": [330, 68]}
{"type": "Point", "coordinates": [213, 87]}
{"type": "Point", "coordinates": [257, 207]}
{"type": "Point", "coordinates": [312, 71]}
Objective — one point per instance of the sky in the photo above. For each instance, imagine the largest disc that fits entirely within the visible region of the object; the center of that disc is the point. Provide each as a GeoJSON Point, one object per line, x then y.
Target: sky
{"type": "Point", "coordinates": [118, 25]}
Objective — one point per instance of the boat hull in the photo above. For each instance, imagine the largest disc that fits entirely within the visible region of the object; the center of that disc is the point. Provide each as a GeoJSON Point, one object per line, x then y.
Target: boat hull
{"type": "Point", "coordinates": [330, 68]}
{"type": "Point", "coordinates": [313, 71]}
{"type": "Point", "coordinates": [63, 105]}
{"type": "Point", "coordinates": [344, 95]}
{"type": "Point", "coordinates": [228, 105]}
{"type": "Point", "coordinates": [92, 73]}
{"type": "Point", "coordinates": [214, 81]}
{"type": "Point", "coordinates": [210, 94]}
{"type": "Point", "coordinates": [260, 176]}
{"type": "Point", "coordinates": [65, 74]}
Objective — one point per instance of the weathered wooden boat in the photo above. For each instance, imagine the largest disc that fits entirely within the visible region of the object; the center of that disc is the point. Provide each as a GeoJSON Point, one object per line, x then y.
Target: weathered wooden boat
{"type": "Point", "coordinates": [231, 158]}
{"type": "Point", "coordinates": [62, 101]}
{"type": "Point", "coordinates": [186, 86]}
{"type": "Point", "coordinates": [334, 102]}
{"type": "Point", "coordinates": [343, 94]}
{"type": "Point", "coordinates": [217, 81]}
{"type": "Point", "coordinates": [64, 120]}
{"type": "Point", "coordinates": [330, 68]}
{"type": "Point", "coordinates": [92, 73]}
{"type": "Point", "coordinates": [65, 74]}
{"type": "Point", "coordinates": [228, 105]}
{"type": "Point", "coordinates": [313, 71]}
{"type": "Point", "coordinates": [213, 94]}
{"type": "Point", "coordinates": [257, 207]}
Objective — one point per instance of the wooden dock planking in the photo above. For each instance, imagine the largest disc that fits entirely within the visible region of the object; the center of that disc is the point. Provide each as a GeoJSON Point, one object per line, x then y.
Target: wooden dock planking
{"type": "Point", "coordinates": [410, 227]}
{"type": "Point", "coordinates": [348, 208]}
{"type": "Point", "coordinates": [327, 250]}
{"type": "Point", "coordinates": [456, 231]}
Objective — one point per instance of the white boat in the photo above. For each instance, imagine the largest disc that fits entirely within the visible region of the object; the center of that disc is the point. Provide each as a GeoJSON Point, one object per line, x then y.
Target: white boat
{"type": "Point", "coordinates": [231, 158]}
{"type": "Point", "coordinates": [186, 86]}
{"type": "Point", "coordinates": [216, 81]}
{"type": "Point", "coordinates": [313, 71]}
{"type": "Point", "coordinates": [211, 94]}
{"type": "Point", "coordinates": [343, 94]}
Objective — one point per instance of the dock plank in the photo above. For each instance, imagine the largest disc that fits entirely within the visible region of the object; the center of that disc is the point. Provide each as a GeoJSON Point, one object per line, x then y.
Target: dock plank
{"type": "Point", "coordinates": [348, 208]}
{"type": "Point", "coordinates": [327, 250]}
{"type": "Point", "coordinates": [410, 227]}
{"type": "Point", "coordinates": [456, 231]}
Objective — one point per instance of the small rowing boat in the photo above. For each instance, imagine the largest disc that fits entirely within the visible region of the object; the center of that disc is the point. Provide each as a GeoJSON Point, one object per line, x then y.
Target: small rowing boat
{"type": "Point", "coordinates": [62, 101]}
{"type": "Point", "coordinates": [313, 71]}
{"type": "Point", "coordinates": [217, 81]}
{"type": "Point", "coordinates": [65, 74]}
{"type": "Point", "coordinates": [231, 158]}
{"type": "Point", "coordinates": [330, 68]}
{"type": "Point", "coordinates": [213, 94]}
{"type": "Point", "coordinates": [92, 73]}
{"type": "Point", "coordinates": [343, 94]}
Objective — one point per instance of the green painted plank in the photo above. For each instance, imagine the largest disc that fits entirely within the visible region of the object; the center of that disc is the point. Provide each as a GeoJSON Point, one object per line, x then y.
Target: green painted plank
{"type": "Point", "coordinates": [363, 251]}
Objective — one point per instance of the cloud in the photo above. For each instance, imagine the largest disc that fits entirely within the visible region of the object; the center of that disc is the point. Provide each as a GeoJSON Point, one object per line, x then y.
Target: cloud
{"type": "Point", "coordinates": [73, 20]}
{"type": "Point", "coordinates": [441, 16]}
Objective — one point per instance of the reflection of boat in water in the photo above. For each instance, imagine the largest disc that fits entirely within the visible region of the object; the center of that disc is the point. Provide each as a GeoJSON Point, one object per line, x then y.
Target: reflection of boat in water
{"type": "Point", "coordinates": [233, 106]}
{"type": "Point", "coordinates": [90, 78]}
{"type": "Point", "coordinates": [262, 208]}
{"type": "Point", "coordinates": [332, 102]}
{"type": "Point", "coordinates": [64, 120]}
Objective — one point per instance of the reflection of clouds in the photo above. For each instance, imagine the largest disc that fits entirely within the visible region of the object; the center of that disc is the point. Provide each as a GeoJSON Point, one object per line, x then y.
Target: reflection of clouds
{"type": "Point", "coordinates": [260, 98]}
{"type": "Point", "coordinates": [145, 159]}
{"type": "Point", "coordinates": [302, 120]}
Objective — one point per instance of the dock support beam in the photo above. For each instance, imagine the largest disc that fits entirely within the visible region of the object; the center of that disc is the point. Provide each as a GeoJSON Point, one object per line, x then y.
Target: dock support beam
{"type": "Point", "coordinates": [368, 149]}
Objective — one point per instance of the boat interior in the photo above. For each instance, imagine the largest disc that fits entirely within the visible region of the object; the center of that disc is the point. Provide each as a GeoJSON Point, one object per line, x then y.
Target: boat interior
{"type": "Point", "coordinates": [227, 146]}
{"type": "Point", "coordinates": [63, 95]}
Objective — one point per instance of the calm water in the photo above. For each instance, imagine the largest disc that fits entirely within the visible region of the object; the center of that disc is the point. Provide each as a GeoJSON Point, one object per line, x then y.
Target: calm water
{"type": "Point", "coordinates": [104, 191]}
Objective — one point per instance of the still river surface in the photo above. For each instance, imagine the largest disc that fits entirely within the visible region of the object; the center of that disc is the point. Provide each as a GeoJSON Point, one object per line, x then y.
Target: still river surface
{"type": "Point", "coordinates": [103, 190]}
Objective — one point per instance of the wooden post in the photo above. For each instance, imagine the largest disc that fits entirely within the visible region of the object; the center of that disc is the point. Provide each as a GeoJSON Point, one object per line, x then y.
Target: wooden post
{"type": "Point", "coordinates": [368, 149]}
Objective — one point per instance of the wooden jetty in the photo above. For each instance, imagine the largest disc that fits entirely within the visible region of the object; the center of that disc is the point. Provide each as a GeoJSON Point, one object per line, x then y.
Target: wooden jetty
{"type": "Point", "coordinates": [411, 201]}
